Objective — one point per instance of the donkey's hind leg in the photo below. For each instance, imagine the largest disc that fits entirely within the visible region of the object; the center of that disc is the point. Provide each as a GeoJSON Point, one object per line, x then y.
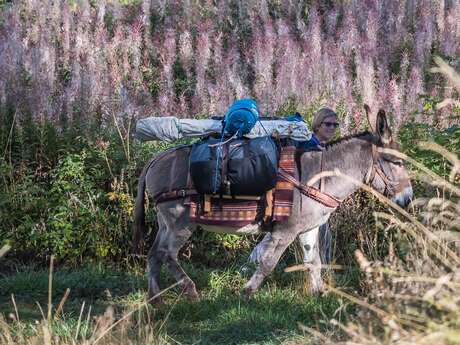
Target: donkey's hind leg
{"type": "Point", "coordinates": [279, 241]}
{"type": "Point", "coordinates": [154, 263]}
{"type": "Point", "coordinates": [177, 239]}
{"type": "Point", "coordinates": [170, 239]}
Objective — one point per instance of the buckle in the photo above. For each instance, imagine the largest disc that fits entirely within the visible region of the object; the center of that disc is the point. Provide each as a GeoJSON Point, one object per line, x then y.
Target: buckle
{"type": "Point", "coordinates": [182, 193]}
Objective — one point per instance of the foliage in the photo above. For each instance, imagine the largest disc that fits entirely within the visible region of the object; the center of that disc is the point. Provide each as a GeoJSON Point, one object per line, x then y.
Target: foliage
{"type": "Point", "coordinates": [449, 138]}
{"type": "Point", "coordinates": [71, 194]}
{"type": "Point", "coordinates": [67, 195]}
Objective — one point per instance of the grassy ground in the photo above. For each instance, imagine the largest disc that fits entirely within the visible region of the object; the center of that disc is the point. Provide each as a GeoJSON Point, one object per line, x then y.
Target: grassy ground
{"type": "Point", "coordinates": [221, 316]}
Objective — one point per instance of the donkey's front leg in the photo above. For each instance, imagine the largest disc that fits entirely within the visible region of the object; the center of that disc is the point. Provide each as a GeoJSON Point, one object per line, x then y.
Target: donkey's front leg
{"type": "Point", "coordinates": [279, 241]}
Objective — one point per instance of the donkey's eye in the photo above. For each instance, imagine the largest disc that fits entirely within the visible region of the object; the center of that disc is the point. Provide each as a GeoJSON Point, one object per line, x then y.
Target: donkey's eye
{"type": "Point", "coordinates": [398, 163]}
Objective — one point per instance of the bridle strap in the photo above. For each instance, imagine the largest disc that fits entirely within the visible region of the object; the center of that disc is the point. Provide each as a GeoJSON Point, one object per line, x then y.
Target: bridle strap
{"type": "Point", "coordinates": [312, 192]}
{"type": "Point", "coordinates": [377, 169]}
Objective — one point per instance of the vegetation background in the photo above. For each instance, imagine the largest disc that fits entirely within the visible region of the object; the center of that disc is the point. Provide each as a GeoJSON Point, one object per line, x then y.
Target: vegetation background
{"type": "Point", "coordinates": [76, 75]}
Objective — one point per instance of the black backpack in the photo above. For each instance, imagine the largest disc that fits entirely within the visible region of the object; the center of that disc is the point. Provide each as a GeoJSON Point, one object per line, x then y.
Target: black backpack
{"type": "Point", "coordinates": [237, 167]}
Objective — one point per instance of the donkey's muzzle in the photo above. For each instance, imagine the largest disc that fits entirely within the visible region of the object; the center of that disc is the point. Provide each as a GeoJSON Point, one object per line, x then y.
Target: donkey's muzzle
{"type": "Point", "coordinates": [404, 197]}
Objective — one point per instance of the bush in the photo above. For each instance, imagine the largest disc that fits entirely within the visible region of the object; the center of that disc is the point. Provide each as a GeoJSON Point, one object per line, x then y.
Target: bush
{"type": "Point", "coordinates": [68, 195]}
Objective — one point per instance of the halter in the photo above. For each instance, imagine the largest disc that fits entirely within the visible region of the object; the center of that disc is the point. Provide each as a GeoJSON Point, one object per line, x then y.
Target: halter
{"type": "Point", "coordinates": [377, 168]}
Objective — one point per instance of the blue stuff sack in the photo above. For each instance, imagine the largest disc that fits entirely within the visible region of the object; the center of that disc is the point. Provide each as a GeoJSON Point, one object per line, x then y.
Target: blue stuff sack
{"type": "Point", "coordinates": [241, 117]}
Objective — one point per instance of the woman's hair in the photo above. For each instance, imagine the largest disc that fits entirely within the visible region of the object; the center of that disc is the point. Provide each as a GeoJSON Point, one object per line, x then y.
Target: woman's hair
{"type": "Point", "coordinates": [320, 116]}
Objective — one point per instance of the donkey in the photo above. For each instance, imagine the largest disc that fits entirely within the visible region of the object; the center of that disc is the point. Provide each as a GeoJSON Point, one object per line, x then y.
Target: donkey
{"type": "Point", "coordinates": [357, 156]}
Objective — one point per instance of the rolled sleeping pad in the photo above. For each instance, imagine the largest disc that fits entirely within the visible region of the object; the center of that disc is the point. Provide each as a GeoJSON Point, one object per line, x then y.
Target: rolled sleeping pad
{"type": "Point", "coordinates": [170, 129]}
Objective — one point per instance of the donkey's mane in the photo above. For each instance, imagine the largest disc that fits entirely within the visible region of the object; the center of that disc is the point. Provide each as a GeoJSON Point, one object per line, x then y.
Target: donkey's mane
{"type": "Point", "coordinates": [367, 136]}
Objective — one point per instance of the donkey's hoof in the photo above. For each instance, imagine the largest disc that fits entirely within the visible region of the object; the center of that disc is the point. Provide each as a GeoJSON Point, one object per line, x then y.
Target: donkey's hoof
{"type": "Point", "coordinates": [247, 294]}
{"type": "Point", "coordinates": [317, 291]}
{"type": "Point", "coordinates": [192, 294]}
{"type": "Point", "coordinates": [156, 301]}
{"type": "Point", "coordinates": [189, 291]}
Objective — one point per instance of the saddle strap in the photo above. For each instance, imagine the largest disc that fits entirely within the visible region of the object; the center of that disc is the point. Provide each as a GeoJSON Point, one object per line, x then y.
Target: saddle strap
{"type": "Point", "coordinates": [173, 195]}
{"type": "Point", "coordinates": [312, 192]}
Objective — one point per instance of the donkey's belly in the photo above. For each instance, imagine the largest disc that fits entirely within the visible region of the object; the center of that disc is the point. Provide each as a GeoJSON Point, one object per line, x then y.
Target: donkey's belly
{"type": "Point", "coordinates": [250, 229]}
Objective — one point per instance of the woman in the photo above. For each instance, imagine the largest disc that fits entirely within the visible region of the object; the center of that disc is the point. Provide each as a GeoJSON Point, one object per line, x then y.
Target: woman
{"type": "Point", "coordinates": [324, 125]}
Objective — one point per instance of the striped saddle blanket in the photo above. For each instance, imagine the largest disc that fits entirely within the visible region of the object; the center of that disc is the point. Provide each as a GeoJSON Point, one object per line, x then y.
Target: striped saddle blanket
{"type": "Point", "coordinates": [274, 206]}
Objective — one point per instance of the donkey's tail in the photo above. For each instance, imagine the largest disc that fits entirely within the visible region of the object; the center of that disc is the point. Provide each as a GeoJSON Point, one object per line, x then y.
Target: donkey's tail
{"type": "Point", "coordinates": [139, 211]}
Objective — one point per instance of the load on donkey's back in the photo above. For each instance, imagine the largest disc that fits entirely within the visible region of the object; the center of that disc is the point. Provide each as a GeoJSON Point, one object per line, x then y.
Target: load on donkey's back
{"type": "Point", "coordinates": [234, 167]}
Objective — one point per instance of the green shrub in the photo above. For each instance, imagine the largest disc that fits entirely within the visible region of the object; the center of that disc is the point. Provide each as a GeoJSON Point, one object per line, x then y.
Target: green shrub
{"type": "Point", "coordinates": [413, 133]}
{"type": "Point", "coordinates": [65, 192]}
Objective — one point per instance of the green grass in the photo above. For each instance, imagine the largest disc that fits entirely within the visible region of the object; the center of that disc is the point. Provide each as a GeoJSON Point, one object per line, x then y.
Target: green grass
{"type": "Point", "coordinates": [270, 317]}
{"type": "Point", "coordinates": [220, 316]}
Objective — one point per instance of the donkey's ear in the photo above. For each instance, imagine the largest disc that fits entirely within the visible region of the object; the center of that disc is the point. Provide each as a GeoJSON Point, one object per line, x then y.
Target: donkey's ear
{"type": "Point", "coordinates": [383, 130]}
{"type": "Point", "coordinates": [370, 118]}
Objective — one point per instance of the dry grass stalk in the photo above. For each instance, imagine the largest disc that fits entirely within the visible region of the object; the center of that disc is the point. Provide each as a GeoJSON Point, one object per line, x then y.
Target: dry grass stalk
{"type": "Point", "coordinates": [307, 267]}
{"type": "Point", "coordinates": [379, 312]}
{"type": "Point", "coordinates": [15, 307]}
{"type": "Point", "coordinates": [61, 304]}
{"type": "Point", "coordinates": [5, 249]}
{"type": "Point", "coordinates": [447, 71]}
{"type": "Point", "coordinates": [451, 157]}
{"type": "Point", "coordinates": [407, 277]}
{"type": "Point", "coordinates": [79, 320]}
{"type": "Point", "coordinates": [114, 324]}
{"type": "Point", "coordinates": [429, 235]}
{"type": "Point", "coordinates": [436, 180]}
{"type": "Point", "coordinates": [50, 288]}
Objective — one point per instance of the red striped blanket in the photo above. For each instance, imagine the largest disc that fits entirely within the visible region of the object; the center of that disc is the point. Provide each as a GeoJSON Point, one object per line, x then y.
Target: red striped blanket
{"type": "Point", "coordinates": [238, 213]}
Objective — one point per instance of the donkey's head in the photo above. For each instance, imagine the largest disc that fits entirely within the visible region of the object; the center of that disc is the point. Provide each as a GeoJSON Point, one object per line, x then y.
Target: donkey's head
{"type": "Point", "coordinates": [388, 174]}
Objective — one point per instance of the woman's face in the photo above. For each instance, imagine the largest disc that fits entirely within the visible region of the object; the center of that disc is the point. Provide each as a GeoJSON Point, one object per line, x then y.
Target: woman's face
{"type": "Point", "coordinates": [326, 131]}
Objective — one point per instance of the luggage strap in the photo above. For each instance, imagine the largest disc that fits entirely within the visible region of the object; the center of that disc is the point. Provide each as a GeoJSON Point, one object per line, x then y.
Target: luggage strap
{"type": "Point", "coordinates": [173, 195]}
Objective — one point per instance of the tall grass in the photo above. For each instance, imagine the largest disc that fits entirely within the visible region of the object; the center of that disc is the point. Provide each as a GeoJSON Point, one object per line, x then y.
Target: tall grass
{"type": "Point", "coordinates": [220, 316]}
{"type": "Point", "coordinates": [412, 296]}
